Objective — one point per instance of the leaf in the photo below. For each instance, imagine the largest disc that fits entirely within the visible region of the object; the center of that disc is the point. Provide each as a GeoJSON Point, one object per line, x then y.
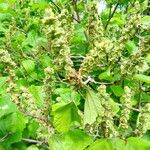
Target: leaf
{"type": "Point", "coordinates": [6, 106]}
{"type": "Point", "coordinates": [102, 144]}
{"type": "Point", "coordinates": [138, 143]}
{"type": "Point", "coordinates": [67, 95]}
{"type": "Point", "coordinates": [114, 106]}
{"type": "Point", "coordinates": [45, 60]}
{"type": "Point", "coordinates": [38, 94]}
{"type": "Point", "coordinates": [28, 65]}
{"type": "Point", "coordinates": [105, 75]}
{"type": "Point", "coordinates": [32, 147]}
{"type": "Point", "coordinates": [65, 116]}
{"type": "Point", "coordinates": [130, 46]}
{"type": "Point", "coordinates": [73, 140]}
{"type": "Point", "coordinates": [117, 90]}
{"type": "Point", "coordinates": [11, 138]}
{"type": "Point", "coordinates": [145, 20]}
{"type": "Point", "coordinates": [119, 144]}
{"type": "Point", "coordinates": [142, 78]}
{"type": "Point", "coordinates": [2, 81]}
{"type": "Point", "coordinates": [92, 107]}
{"type": "Point", "coordinates": [148, 58]}
{"type": "Point", "coordinates": [13, 122]}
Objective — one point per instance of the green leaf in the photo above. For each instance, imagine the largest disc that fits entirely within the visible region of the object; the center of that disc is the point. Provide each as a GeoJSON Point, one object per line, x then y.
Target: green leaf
{"type": "Point", "coordinates": [28, 65]}
{"type": "Point", "coordinates": [92, 107]}
{"type": "Point", "coordinates": [130, 46]}
{"type": "Point", "coordinates": [73, 140]}
{"type": "Point", "coordinates": [119, 144]}
{"type": "Point", "coordinates": [11, 138]}
{"type": "Point", "coordinates": [45, 61]}
{"type": "Point", "coordinates": [142, 78]}
{"type": "Point", "coordinates": [32, 147]}
{"type": "Point", "coordinates": [148, 58]}
{"type": "Point", "coordinates": [6, 106]}
{"type": "Point", "coordinates": [109, 144]}
{"type": "Point", "coordinates": [138, 143]}
{"type": "Point", "coordinates": [105, 75]}
{"type": "Point", "coordinates": [2, 81]}
{"type": "Point", "coordinates": [13, 122]}
{"type": "Point", "coordinates": [145, 20]}
{"type": "Point", "coordinates": [38, 94]}
{"type": "Point", "coordinates": [102, 144]}
{"type": "Point", "coordinates": [65, 116]}
{"type": "Point", "coordinates": [67, 95]}
{"type": "Point", "coordinates": [117, 90]}
{"type": "Point", "coordinates": [114, 106]}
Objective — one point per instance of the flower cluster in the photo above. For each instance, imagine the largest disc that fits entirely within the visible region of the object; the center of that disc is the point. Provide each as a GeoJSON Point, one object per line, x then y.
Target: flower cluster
{"type": "Point", "coordinates": [144, 121]}
{"type": "Point", "coordinates": [94, 26]}
{"type": "Point", "coordinates": [99, 46]}
{"type": "Point", "coordinates": [128, 32]}
{"type": "Point", "coordinates": [126, 105]}
{"type": "Point", "coordinates": [30, 108]}
{"type": "Point", "coordinates": [107, 125]}
{"type": "Point", "coordinates": [58, 39]}
{"type": "Point", "coordinates": [136, 62]}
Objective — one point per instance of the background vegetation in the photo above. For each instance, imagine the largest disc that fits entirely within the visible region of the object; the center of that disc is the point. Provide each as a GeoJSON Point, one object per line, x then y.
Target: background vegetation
{"type": "Point", "coordinates": [74, 75]}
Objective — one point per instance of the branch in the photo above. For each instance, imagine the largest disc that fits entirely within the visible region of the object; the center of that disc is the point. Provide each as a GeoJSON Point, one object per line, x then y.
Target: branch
{"type": "Point", "coordinates": [58, 8]}
{"type": "Point", "coordinates": [3, 138]}
{"type": "Point", "coordinates": [34, 141]}
{"type": "Point", "coordinates": [111, 15]}
{"type": "Point", "coordinates": [89, 79]}
{"type": "Point", "coordinates": [140, 95]}
{"type": "Point", "coordinates": [131, 108]}
{"type": "Point", "coordinates": [74, 2]}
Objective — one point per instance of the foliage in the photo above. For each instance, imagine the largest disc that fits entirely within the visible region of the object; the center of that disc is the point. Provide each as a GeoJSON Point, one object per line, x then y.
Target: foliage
{"type": "Point", "coordinates": [74, 74]}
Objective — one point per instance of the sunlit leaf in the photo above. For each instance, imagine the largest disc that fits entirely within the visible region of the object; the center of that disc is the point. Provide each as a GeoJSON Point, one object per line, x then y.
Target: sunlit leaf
{"type": "Point", "coordinates": [92, 107]}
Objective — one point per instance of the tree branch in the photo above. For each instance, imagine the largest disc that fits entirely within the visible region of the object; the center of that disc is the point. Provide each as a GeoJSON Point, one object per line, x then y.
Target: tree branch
{"type": "Point", "coordinates": [110, 17]}
{"type": "Point", "coordinates": [74, 2]}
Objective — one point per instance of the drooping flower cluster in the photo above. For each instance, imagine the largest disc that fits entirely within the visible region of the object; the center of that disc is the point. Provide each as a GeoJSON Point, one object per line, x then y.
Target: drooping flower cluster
{"type": "Point", "coordinates": [58, 32]}
{"type": "Point", "coordinates": [136, 62]}
{"type": "Point", "coordinates": [126, 105]}
{"type": "Point", "coordinates": [107, 126]}
{"type": "Point", "coordinates": [128, 32]}
{"type": "Point", "coordinates": [30, 108]}
{"type": "Point", "coordinates": [10, 65]}
{"type": "Point", "coordinates": [144, 121]}
{"type": "Point", "coordinates": [99, 46]}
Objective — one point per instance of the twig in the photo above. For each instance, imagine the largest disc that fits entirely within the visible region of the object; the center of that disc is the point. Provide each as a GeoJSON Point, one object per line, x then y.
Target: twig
{"type": "Point", "coordinates": [111, 15]}
{"type": "Point", "coordinates": [77, 57]}
{"type": "Point", "coordinates": [2, 139]}
{"type": "Point", "coordinates": [74, 2]}
{"type": "Point", "coordinates": [89, 79]}
{"type": "Point", "coordinates": [58, 8]}
{"type": "Point", "coordinates": [140, 95]}
{"type": "Point", "coordinates": [33, 141]}
{"type": "Point", "coordinates": [134, 109]}
{"type": "Point", "coordinates": [30, 115]}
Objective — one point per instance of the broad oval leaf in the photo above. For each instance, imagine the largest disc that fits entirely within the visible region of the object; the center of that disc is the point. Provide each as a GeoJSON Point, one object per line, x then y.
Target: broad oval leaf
{"type": "Point", "coordinates": [92, 107]}
{"type": "Point", "coordinates": [73, 140]}
{"type": "Point", "coordinates": [6, 106]}
{"type": "Point", "coordinates": [65, 116]}
{"type": "Point", "coordinates": [28, 65]}
{"type": "Point", "coordinates": [142, 78]}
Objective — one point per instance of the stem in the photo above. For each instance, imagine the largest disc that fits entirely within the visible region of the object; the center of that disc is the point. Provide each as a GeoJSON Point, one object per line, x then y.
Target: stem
{"type": "Point", "coordinates": [140, 95]}
{"type": "Point", "coordinates": [131, 108]}
{"type": "Point", "coordinates": [33, 141]}
{"type": "Point", "coordinates": [74, 2]}
{"type": "Point", "coordinates": [58, 8]}
{"type": "Point", "coordinates": [45, 144]}
{"type": "Point", "coordinates": [89, 79]}
{"type": "Point", "coordinates": [111, 15]}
